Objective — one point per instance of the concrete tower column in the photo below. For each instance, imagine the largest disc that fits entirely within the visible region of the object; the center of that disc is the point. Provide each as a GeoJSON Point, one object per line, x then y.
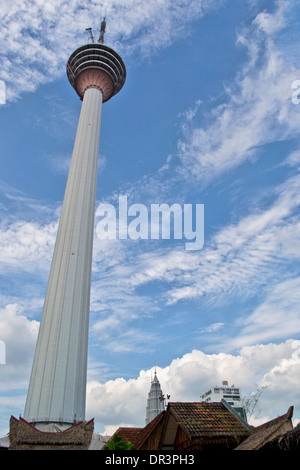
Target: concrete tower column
{"type": "Point", "coordinates": [57, 388]}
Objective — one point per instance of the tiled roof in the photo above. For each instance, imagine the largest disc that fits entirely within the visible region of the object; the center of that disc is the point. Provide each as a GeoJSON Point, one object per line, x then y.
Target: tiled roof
{"type": "Point", "coordinates": [137, 436]}
{"type": "Point", "coordinates": [265, 432]}
{"type": "Point", "coordinates": [201, 419]}
{"type": "Point", "coordinates": [128, 434]}
{"type": "Point", "coordinates": [198, 419]}
{"type": "Point", "coordinates": [288, 441]}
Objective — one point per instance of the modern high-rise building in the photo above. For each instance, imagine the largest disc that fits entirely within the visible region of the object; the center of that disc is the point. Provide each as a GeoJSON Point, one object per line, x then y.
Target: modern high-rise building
{"type": "Point", "coordinates": [232, 395]}
{"type": "Point", "coordinates": [57, 388]}
{"type": "Point", "coordinates": [155, 400]}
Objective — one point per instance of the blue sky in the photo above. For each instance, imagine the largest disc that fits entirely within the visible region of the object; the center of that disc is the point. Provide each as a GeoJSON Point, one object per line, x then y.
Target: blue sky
{"type": "Point", "coordinates": [208, 115]}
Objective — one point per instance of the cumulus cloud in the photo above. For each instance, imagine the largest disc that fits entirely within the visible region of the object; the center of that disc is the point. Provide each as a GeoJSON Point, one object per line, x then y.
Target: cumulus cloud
{"type": "Point", "coordinates": [123, 402]}
{"type": "Point", "coordinates": [19, 334]}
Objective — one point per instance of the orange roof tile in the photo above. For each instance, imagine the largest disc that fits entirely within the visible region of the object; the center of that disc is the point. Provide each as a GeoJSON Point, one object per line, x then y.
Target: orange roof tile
{"type": "Point", "coordinates": [128, 434]}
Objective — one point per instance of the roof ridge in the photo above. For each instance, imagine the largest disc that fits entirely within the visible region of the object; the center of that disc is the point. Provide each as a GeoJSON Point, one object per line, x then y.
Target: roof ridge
{"type": "Point", "coordinates": [146, 431]}
{"type": "Point", "coordinates": [277, 420]}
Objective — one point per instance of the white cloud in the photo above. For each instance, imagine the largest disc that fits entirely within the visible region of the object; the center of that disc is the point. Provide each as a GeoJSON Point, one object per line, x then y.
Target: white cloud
{"type": "Point", "coordinates": [272, 23]}
{"type": "Point", "coordinates": [251, 256]}
{"type": "Point", "coordinates": [123, 402]}
{"type": "Point", "coordinates": [2, 92]}
{"type": "Point", "coordinates": [258, 108]}
{"type": "Point", "coordinates": [114, 306]}
{"type": "Point", "coordinates": [277, 317]}
{"type": "Point", "coordinates": [131, 339]}
{"type": "Point", "coordinates": [27, 246]}
{"type": "Point", "coordinates": [19, 335]}
{"type": "Point", "coordinates": [40, 35]}
{"type": "Point", "coordinates": [236, 260]}
{"type": "Point", "coordinates": [241, 256]}
{"type": "Point", "coordinates": [211, 328]}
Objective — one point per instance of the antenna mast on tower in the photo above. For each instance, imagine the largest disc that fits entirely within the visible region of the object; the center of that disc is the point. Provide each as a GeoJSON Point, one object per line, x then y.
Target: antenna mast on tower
{"type": "Point", "coordinates": [102, 31]}
{"type": "Point", "coordinates": [91, 34]}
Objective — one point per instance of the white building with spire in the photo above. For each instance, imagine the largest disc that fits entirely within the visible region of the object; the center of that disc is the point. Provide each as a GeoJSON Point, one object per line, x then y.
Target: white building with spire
{"type": "Point", "coordinates": [155, 400]}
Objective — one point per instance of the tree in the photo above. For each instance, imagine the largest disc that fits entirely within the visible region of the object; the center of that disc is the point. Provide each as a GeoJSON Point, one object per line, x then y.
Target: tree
{"type": "Point", "coordinates": [117, 443]}
{"type": "Point", "coordinates": [250, 404]}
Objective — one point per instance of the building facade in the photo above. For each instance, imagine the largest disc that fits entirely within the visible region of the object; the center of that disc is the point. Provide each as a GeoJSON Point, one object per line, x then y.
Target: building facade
{"type": "Point", "coordinates": [231, 394]}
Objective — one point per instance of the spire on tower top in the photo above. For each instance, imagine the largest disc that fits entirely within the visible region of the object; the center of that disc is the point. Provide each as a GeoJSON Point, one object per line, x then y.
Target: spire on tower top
{"type": "Point", "coordinates": [102, 31]}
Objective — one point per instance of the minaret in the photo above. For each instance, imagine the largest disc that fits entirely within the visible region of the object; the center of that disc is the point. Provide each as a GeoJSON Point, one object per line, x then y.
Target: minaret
{"type": "Point", "coordinates": [57, 388]}
{"type": "Point", "coordinates": [155, 400]}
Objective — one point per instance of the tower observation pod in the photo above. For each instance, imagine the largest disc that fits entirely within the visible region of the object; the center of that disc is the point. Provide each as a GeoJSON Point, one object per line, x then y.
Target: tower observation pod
{"type": "Point", "coordinates": [57, 388]}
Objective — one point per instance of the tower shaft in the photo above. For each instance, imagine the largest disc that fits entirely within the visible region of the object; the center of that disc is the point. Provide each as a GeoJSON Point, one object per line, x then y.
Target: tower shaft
{"type": "Point", "coordinates": [57, 388]}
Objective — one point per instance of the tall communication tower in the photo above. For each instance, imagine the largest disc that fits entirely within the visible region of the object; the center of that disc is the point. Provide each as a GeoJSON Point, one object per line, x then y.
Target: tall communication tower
{"type": "Point", "coordinates": [57, 388]}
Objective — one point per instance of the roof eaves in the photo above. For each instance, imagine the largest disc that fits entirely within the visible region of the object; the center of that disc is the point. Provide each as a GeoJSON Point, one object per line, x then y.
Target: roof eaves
{"type": "Point", "coordinates": [148, 429]}
{"type": "Point", "coordinates": [237, 416]}
{"type": "Point", "coordinates": [264, 432]}
{"type": "Point", "coordinates": [180, 423]}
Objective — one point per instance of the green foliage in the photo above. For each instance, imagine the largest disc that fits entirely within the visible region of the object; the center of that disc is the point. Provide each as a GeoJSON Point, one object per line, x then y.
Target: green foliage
{"type": "Point", "coordinates": [117, 443]}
